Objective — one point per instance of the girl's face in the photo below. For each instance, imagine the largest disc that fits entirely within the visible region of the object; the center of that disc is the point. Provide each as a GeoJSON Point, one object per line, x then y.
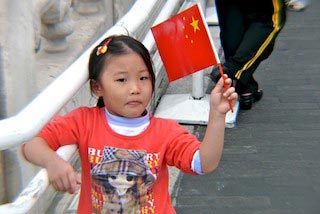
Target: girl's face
{"type": "Point", "coordinates": [125, 85]}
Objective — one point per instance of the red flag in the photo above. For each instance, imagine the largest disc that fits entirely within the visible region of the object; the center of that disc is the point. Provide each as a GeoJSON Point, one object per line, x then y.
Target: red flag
{"type": "Point", "coordinates": [184, 44]}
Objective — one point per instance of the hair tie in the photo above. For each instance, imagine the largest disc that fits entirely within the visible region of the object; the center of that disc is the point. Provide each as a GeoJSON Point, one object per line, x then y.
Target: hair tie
{"type": "Point", "coordinates": [103, 48]}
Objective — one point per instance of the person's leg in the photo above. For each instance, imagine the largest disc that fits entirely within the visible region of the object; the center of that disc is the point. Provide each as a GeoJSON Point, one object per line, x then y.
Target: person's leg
{"type": "Point", "coordinates": [242, 62]}
{"type": "Point", "coordinates": [257, 45]}
{"type": "Point", "coordinates": [245, 46]}
{"type": "Point", "coordinates": [231, 24]}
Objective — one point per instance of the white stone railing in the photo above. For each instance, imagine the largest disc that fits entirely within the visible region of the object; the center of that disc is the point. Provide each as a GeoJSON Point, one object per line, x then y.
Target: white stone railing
{"type": "Point", "coordinates": [36, 187]}
{"type": "Point", "coordinates": [53, 22]}
{"type": "Point", "coordinates": [28, 122]}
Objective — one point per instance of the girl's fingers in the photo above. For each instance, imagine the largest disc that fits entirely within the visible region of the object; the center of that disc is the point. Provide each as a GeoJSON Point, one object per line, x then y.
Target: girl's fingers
{"type": "Point", "coordinates": [229, 91]}
{"type": "Point", "coordinates": [223, 84]}
{"type": "Point", "coordinates": [58, 185]}
{"type": "Point", "coordinates": [68, 183]}
{"type": "Point", "coordinates": [78, 179]}
{"type": "Point", "coordinates": [233, 97]}
{"type": "Point", "coordinates": [72, 183]}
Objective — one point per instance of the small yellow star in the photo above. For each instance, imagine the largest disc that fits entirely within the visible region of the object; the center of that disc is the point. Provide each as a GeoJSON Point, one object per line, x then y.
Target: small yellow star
{"type": "Point", "coordinates": [194, 24]}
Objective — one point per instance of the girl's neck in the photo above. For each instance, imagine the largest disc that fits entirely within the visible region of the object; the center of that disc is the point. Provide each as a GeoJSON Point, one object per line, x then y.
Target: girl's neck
{"type": "Point", "coordinates": [128, 126]}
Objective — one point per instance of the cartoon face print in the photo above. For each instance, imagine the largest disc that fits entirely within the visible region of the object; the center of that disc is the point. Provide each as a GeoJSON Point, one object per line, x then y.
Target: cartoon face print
{"type": "Point", "coordinates": [121, 181]}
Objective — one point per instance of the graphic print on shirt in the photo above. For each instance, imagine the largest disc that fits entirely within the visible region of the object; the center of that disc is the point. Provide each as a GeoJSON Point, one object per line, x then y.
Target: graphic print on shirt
{"type": "Point", "coordinates": [121, 182]}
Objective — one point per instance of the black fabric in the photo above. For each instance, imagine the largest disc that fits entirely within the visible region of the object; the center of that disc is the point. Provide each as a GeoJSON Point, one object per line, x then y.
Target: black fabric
{"type": "Point", "coordinates": [248, 30]}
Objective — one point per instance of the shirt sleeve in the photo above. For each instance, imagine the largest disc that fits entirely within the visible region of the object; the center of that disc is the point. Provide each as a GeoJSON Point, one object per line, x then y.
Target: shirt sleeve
{"type": "Point", "coordinates": [196, 163]}
{"type": "Point", "coordinates": [181, 147]}
{"type": "Point", "coordinates": [62, 130]}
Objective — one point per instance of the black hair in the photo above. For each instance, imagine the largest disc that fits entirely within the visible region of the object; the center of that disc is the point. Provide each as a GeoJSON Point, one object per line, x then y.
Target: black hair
{"type": "Point", "coordinates": [116, 45]}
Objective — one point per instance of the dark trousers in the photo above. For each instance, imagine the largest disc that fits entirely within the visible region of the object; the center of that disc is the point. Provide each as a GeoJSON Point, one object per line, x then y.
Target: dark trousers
{"type": "Point", "coordinates": [248, 30]}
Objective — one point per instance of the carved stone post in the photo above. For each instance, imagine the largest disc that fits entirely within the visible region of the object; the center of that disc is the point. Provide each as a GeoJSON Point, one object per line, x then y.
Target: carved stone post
{"type": "Point", "coordinates": [17, 86]}
{"type": "Point", "coordinates": [56, 25]}
{"type": "Point", "coordinates": [87, 6]}
{"type": "Point", "coordinates": [2, 116]}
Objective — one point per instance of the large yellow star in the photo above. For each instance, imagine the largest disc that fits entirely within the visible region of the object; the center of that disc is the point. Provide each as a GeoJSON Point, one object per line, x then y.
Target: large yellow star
{"type": "Point", "coordinates": [194, 24]}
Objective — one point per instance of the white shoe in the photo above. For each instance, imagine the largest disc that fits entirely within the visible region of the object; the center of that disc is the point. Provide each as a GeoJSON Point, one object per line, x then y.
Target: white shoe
{"type": "Point", "coordinates": [296, 5]}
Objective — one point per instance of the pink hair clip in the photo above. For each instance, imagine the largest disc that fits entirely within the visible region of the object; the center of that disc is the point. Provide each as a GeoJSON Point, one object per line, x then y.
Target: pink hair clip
{"type": "Point", "coordinates": [103, 48]}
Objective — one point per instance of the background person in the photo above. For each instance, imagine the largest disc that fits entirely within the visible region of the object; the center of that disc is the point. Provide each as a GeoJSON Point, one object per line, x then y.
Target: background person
{"type": "Point", "coordinates": [248, 31]}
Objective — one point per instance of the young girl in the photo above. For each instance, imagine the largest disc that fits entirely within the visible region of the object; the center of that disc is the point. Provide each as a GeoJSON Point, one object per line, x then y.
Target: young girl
{"type": "Point", "coordinates": [125, 150]}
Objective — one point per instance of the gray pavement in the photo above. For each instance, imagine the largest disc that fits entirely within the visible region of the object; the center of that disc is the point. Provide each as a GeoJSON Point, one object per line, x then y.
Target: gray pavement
{"type": "Point", "coordinates": [271, 159]}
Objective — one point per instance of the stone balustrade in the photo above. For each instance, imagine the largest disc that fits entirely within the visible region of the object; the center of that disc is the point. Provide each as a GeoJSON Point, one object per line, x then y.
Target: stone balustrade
{"type": "Point", "coordinates": [38, 40]}
{"type": "Point", "coordinates": [54, 23]}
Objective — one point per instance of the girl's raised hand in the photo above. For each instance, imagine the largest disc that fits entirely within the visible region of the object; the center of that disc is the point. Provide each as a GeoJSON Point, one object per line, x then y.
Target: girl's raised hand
{"type": "Point", "coordinates": [219, 98]}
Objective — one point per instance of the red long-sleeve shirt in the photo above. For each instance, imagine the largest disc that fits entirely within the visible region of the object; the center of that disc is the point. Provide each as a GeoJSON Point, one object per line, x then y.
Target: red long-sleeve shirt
{"type": "Point", "coordinates": [108, 157]}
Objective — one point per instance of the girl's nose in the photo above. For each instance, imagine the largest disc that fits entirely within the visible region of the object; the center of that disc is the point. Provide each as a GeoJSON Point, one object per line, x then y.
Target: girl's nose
{"type": "Point", "coordinates": [135, 89]}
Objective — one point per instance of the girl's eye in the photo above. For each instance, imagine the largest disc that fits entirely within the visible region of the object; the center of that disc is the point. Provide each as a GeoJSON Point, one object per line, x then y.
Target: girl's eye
{"type": "Point", "coordinates": [121, 80]}
{"type": "Point", "coordinates": [144, 78]}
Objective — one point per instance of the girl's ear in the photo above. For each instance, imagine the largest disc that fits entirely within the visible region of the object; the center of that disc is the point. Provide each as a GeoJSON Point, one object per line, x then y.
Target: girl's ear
{"type": "Point", "coordinates": [96, 88]}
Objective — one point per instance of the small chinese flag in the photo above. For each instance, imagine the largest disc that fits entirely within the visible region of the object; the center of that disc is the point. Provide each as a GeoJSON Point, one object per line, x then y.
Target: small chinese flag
{"type": "Point", "coordinates": [184, 43]}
